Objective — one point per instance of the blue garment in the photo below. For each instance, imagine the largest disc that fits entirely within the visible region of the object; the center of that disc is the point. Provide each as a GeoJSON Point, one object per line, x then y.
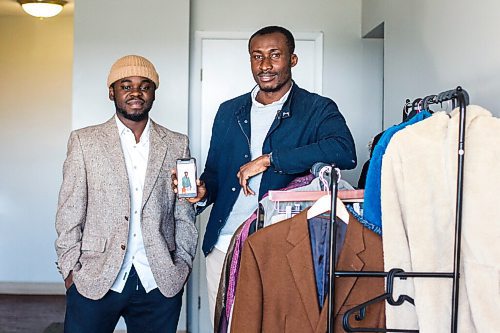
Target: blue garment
{"type": "Point", "coordinates": [308, 129]}
{"type": "Point", "coordinates": [368, 225]}
{"type": "Point", "coordinates": [319, 234]}
{"type": "Point", "coordinates": [372, 210]}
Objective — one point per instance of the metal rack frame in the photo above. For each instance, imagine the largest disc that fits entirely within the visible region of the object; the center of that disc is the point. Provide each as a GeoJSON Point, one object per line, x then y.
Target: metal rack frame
{"type": "Point", "coordinates": [455, 95]}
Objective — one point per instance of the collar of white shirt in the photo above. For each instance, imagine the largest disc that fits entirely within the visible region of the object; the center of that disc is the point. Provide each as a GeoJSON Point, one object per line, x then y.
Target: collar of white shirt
{"type": "Point", "coordinates": [122, 129]}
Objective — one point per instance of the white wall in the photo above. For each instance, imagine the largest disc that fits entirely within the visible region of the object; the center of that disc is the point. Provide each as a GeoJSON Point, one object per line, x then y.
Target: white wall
{"type": "Point", "coordinates": [35, 118]}
{"type": "Point", "coordinates": [157, 30]}
{"type": "Point", "coordinates": [348, 60]}
{"type": "Point", "coordinates": [431, 46]}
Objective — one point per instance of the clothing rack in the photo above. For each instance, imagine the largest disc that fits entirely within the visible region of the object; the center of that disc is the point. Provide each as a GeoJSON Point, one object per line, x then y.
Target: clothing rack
{"type": "Point", "coordinates": [461, 97]}
{"type": "Point", "coordinates": [419, 104]}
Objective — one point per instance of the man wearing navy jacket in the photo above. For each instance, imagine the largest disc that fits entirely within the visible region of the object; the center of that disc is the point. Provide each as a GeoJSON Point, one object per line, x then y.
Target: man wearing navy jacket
{"type": "Point", "coordinates": [261, 141]}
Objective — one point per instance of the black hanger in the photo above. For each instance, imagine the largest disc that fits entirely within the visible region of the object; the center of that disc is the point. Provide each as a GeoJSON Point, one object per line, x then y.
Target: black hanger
{"type": "Point", "coordinates": [453, 96]}
{"type": "Point", "coordinates": [359, 311]}
{"type": "Point", "coordinates": [428, 100]}
{"type": "Point", "coordinates": [406, 109]}
{"type": "Point", "coordinates": [414, 109]}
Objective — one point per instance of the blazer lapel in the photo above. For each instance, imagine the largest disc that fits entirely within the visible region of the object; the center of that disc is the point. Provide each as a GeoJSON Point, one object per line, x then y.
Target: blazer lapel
{"type": "Point", "coordinates": [112, 144]}
{"type": "Point", "coordinates": [299, 259]}
{"type": "Point", "coordinates": [349, 261]}
{"type": "Point", "coordinates": [157, 153]}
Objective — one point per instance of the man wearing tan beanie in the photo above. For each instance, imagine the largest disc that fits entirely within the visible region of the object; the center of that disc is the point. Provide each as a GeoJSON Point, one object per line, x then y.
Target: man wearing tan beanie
{"type": "Point", "coordinates": [125, 244]}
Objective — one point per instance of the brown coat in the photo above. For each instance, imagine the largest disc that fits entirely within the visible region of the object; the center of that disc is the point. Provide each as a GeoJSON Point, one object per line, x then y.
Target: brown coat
{"type": "Point", "coordinates": [276, 289]}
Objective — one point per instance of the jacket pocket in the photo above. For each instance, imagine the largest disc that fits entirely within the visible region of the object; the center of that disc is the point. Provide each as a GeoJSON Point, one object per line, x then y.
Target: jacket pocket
{"type": "Point", "coordinates": [93, 243]}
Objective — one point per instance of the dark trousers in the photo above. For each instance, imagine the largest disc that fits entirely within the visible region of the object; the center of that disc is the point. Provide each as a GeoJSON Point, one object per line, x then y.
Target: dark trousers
{"type": "Point", "coordinates": [143, 312]}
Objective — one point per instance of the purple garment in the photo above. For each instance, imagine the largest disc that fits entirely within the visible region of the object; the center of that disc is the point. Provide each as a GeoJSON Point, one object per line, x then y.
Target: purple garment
{"type": "Point", "coordinates": [296, 183]}
{"type": "Point", "coordinates": [235, 262]}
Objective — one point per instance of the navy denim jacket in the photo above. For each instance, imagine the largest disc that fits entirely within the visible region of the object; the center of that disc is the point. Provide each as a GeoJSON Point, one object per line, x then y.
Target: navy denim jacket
{"type": "Point", "coordinates": [308, 129]}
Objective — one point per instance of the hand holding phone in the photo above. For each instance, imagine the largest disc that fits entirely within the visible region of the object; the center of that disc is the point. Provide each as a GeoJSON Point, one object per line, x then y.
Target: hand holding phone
{"type": "Point", "coordinates": [186, 178]}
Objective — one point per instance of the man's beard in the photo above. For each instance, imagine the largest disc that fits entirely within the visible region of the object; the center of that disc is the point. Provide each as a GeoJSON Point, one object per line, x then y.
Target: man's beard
{"type": "Point", "coordinates": [133, 117]}
{"type": "Point", "coordinates": [272, 89]}
{"type": "Point", "coordinates": [278, 86]}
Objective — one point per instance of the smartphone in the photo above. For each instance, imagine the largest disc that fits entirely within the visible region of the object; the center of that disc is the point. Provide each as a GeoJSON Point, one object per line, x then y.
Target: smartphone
{"type": "Point", "coordinates": [186, 178]}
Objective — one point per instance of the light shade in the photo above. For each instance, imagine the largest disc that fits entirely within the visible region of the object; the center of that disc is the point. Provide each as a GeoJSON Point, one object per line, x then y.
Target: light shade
{"type": "Point", "coordinates": [42, 8]}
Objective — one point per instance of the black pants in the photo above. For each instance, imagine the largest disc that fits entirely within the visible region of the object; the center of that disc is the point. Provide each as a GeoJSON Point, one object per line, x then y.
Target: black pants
{"type": "Point", "coordinates": [143, 312]}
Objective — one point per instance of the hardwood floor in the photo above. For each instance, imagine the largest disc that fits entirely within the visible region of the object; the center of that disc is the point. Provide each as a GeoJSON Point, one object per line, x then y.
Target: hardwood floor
{"type": "Point", "coordinates": [34, 314]}
{"type": "Point", "coordinates": [31, 313]}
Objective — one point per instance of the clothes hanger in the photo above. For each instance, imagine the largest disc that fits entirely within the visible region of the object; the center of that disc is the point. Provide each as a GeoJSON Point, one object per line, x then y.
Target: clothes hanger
{"type": "Point", "coordinates": [414, 109]}
{"type": "Point", "coordinates": [359, 311]}
{"type": "Point", "coordinates": [428, 100]}
{"type": "Point", "coordinates": [324, 204]}
{"type": "Point", "coordinates": [344, 195]}
{"type": "Point", "coordinates": [321, 199]}
{"type": "Point", "coordinates": [406, 109]}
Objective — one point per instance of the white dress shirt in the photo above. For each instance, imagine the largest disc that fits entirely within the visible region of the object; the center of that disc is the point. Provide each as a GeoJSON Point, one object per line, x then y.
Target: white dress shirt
{"type": "Point", "coordinates": [136, 161]}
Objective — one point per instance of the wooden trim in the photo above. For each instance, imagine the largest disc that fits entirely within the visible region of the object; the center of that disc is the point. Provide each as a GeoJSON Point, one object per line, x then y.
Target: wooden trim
{"type": "Point", "coordinates": [32, 288]}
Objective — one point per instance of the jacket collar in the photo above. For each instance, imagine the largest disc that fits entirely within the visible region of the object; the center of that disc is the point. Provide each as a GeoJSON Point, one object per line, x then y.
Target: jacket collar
{"type": "Point", "coordinates": [301, 265]}
{"type": "Point", "coordinates": [110, 141]}
{"type": "Point", "coordinates": [157, 153]}
{"type": "Point", "coordinates": [285, 111]}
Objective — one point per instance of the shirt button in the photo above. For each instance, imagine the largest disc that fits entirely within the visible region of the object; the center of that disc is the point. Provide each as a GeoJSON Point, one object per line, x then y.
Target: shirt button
{"type": "Point", "coordinates": [126, 218]}
{"type": "Point", "coordinates": [246, 121]}
{"type": "Point", "coordinates": [133, 257]}
{"type": "Point", "coordinates": [135, 212]}
{"type": "Point", "coordinates": [123, 247]}
{"type": "Point", "coordinates": [135, 235]}
{"type": "Point", "coordinates": [233, 189]}
{"type": "Point", "coordinates": [137, 189]}
{"type": "Point", "coordinates": [246, 155]}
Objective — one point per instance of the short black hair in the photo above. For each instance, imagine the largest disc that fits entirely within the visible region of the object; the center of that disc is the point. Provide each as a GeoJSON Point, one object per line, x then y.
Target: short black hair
{"type": "Point", "coordinates": [290, 41]}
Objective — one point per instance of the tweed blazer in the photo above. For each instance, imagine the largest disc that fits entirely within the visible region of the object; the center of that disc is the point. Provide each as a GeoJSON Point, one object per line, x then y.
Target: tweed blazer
{"type": "Point", "coordinates": [276, 289]}
{"type": "Point", "coordinates": [92, 220]}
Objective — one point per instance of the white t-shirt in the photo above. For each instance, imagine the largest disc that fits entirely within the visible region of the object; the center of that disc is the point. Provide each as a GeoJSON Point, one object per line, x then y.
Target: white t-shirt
{"type": "Point", "coordinates": [261, 118]}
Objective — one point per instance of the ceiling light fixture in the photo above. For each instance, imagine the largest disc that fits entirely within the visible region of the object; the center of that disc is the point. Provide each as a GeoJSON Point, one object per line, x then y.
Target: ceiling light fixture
{"type": "Point", "coordinates": [42, 8]}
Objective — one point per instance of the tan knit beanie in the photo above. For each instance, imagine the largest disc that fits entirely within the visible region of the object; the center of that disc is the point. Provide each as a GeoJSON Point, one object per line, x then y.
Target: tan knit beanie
{"type": "Point", "coordinates": [133, 65]}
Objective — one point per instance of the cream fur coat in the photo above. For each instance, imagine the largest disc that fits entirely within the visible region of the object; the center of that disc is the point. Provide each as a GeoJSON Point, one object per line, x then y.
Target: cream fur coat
{"type": "Point", "coordinates": [419, 184]}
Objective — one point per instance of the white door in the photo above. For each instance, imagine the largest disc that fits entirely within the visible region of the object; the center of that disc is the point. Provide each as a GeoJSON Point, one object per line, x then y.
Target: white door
{"type": "Point", "coordinates": [221, 72]}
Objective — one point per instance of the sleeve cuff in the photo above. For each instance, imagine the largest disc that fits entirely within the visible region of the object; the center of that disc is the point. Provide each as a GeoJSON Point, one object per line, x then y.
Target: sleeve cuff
{"type": "Point", "coordinates": [201, 203]}
{"type": "Point", "coordinates": [271, 158]}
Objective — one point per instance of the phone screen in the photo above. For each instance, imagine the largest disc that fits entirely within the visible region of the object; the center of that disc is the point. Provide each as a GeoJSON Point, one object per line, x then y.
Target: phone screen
{"type": "Point", "coordinates": [186, 178]}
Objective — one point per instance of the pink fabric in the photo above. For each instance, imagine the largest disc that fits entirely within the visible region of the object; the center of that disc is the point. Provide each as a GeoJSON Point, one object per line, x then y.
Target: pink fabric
{"type": "Point", "coordinates": [297, 182]}
{"type": "Point", "coordinates": [235, 262]}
